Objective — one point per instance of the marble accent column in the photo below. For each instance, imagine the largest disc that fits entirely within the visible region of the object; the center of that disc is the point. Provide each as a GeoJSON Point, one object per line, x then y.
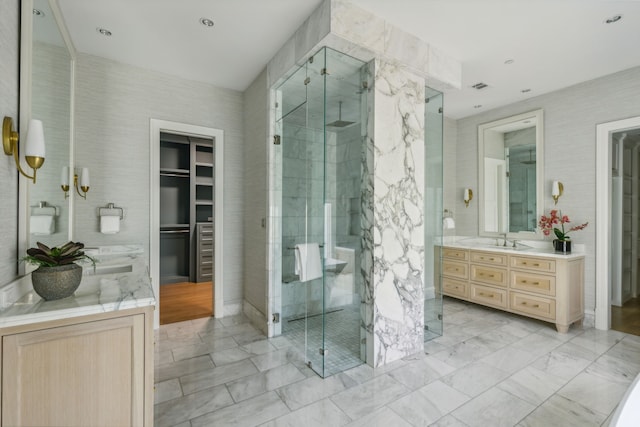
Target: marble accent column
{"type": "Point", "coordinates": [398, 216]}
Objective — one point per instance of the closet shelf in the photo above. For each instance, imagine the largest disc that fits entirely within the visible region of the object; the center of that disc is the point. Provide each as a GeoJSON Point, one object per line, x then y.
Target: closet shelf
{"type": "Point", "coordinates": [182, 173]}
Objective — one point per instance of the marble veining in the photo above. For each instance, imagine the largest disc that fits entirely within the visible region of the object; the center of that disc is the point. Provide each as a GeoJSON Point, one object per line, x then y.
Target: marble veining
{"type": "Point", "coordinates": [398, 227]}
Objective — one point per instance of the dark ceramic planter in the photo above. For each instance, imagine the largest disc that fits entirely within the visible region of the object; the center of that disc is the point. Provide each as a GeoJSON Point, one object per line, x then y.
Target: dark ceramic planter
{"type": "Point", "coordinates": [562, 246]}
{"type": "Point", "coordinates": [57, 282]}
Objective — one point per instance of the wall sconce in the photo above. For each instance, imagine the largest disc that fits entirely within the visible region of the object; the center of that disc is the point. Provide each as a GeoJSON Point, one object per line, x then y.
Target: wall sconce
{"type": "Point", "coordinates": [556, 191]}
{"type": "Point", "coordinates": [64, 181]}
{"type": "Point", "coordinates": [34, 148]}
{"type": "Point", "coordinates": [448, 223]}
{"type": "Point", "coordinates": [468, 196]}
{"type": "Point", "coordinates": [84, 182]}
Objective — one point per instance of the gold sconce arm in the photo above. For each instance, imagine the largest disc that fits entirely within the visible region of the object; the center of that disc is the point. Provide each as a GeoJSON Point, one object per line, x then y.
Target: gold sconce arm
{"type": "Point", "coordinates": [65, 188]}
{"type": "Point", "coordinates": [556, 191]}
{"type": "Point", "coordinates": [10, 140]}
{"type": "Point", "coordinates": [84, 188]}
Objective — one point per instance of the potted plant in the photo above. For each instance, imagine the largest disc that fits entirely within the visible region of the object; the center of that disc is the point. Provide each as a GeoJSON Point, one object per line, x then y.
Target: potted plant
{"type": "Point", "coordinates": [563, 241]}
{"type": "Point", "coordinates": [57, 275]}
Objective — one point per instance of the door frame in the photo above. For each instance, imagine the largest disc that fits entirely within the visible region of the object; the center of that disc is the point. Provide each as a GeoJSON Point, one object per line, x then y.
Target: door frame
{"type": "Point", "coordinates": [157, 126]}
{"type": "Point", "coordinates": [604, 133]}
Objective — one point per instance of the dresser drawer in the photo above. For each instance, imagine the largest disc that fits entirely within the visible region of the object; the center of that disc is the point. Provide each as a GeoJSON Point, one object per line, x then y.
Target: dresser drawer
{"type": "Point", "coordinates": [453, 253]}
{"type": "Point", "coordinates": [537, 264]}
{"type": "Point", "coordinates": [489, 275]}
{"type": "Point", "coordinates": [532, 282]}
{"type": "Point", "coordinates": [532, 305]}
{"type": "Point", "coordinates": [455, 288]}
{"type": "Point", "coordinates": [489, 296]}
{"type": "Point", "coordinates": [489, 258]}
{"type": "Point", "coordinates": [455, 269]}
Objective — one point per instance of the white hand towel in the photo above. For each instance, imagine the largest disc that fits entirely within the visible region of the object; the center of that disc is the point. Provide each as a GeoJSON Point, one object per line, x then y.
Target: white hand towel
{"type": "Point", "coordinates": [41, 225]}
{"type": "Point", "coordinates": [109, 224]}
{"type": "Point", "coordinates": [308, 262]}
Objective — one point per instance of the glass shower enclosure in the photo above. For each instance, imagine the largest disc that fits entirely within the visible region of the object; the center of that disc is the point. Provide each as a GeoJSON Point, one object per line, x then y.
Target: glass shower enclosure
{"type": "Point", "coordinates": [433, 209]}
{"type": "Point", "coordinates": [321, 122]}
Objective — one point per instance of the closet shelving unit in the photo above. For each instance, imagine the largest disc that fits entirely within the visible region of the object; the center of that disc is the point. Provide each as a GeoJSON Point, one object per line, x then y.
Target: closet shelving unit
{"type": "Point", "coordinates": [186, 199]}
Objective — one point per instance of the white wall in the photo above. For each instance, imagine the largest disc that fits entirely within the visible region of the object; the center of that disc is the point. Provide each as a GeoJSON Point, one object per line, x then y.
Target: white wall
{"type": "Point", "coordinates": [570, 119]}
{"type": "Point", "coordinates": [450, 142]}
{"type": "Point", "coordinates": [114, 103]}
{"type": "Point", "coordinates": [256, 131]}
{"type": "Point", "coordinates": [9, 72]}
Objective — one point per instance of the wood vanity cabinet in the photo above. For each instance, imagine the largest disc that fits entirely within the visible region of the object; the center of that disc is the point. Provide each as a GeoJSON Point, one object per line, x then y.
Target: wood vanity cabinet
{"type": "Point", "coordinates": [549, 289]}
{"type": "Point", "coordinates": [93, 370]}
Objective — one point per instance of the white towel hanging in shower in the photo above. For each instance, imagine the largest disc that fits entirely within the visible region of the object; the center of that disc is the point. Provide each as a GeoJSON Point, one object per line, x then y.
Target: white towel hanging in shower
{"type": "Point", "coordinates": [308, 262]}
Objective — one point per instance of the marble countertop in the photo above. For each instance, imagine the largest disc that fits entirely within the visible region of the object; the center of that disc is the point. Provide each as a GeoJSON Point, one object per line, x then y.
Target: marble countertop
{"type": "Point", "coordinates": [119, 289]}
{"type": "Point", "coordinates": [542, 250]}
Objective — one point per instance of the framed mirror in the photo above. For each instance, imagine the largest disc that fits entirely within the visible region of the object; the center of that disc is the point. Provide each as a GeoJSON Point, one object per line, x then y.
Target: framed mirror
{"type": "Point", "coordinates": [511, 175]}
{"type": "Point", "coordinates": [47, 93]}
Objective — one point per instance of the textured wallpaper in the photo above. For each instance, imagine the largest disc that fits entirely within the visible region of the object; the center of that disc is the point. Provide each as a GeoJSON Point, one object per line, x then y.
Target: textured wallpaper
{"type": "Point", "coordinates": [9, 72]}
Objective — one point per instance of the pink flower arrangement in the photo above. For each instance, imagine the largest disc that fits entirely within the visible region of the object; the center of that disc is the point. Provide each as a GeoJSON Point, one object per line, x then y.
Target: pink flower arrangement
{"type": "Point", "coordinates": [547, 223]}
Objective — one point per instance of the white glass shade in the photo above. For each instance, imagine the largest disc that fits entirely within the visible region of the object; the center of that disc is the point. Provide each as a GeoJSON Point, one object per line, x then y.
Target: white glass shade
{"type": "Point", "coordinates": [84, 177]}
{"type": "Point", "coordinates": [555, 190]}
{"type": "Point", "coordinates": [64, 178]}
{"type": "Point", "coordinates": [35, 139]}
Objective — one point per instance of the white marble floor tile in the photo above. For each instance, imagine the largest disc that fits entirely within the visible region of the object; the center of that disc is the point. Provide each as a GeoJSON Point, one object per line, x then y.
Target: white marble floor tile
{"type": "Point", "coordinates": [166, 390]}
{"type": "Point", "coordinates": [171, 343]}
{"type": "Point", "coordinates": [463, 353]}
{"type": "Point", "coordinates": [560, 411]}
{"type": "Point", "coordinates": [181, 368]}
{"type": "Point", "coordinates": [239, 319]}
{"type": "Point", "coordinates": [452, 336]}
{"type": "Point", "coordinates": [432, 346]}
{"type": "Point", "coordinates": [475, 378]}
{"type": "Point", "coordinates": [258, 346]}
{"type": "Point", "coordinates": [595, 392]}
{"type": "Point", "coordinates": [538, 343]}
{"type": "Point", "coordinates": [313, 389]}
{"type": "Point", "coordinates": [509, 359]}
{"type": "Point", "coordinates": [230, 355]}
{"type": "Point", "coordinates": [532, 385]}
{"type": "Point", "coordinates": [627, 350]}
{"type": "Point", "coordinates": [571, 348]}
{"type": "Point", "coordinates": [494, 408]}
{"type": "Point", "coordinates": [252, 412]}
{"type": "Point", "coordinates": [561, 365]}
{"type": "Point", "coordinates": [189, 351]}
{"type": "Point", "coordinates": [320, 414]}
{"type": "Point", "coordinates": [421, 372]}
{"type": "Point", "coordinates": [428, 404]}
{"type": "Point", "coordinates": [185, 408]}
{"type": "Point", "coordinates": [216, 376]}
{"type": "Point", "coordinates": [362, 399]}
{"type": "Point", "coordinates": [448, 421]}
{"type": "Point", "coordinates": [598, 341]}
{"type": "Point", "coordinates": [253, 385]}
{"type": "Point", "coordinates": [163, 357]}
{"type": "Point", "coordinates": [275, 358]}
{"type": "Point", "coordinates": [383, 417]}
{"type": "Point", "coordinates": [615, 369]}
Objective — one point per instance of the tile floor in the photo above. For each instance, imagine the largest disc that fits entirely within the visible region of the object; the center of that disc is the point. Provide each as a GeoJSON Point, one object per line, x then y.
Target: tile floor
{"type": "Point", "coordinates": [488, 369]}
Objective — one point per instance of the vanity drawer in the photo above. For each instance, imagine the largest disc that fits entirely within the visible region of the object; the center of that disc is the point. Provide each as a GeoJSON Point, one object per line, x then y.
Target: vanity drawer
{"type": "Point", "coordinates": [532, 282]}
{"type": "Point", "coordinates": [455, 269]}
{"type": "Point", "coordinates": [489, 258]}
{"type": "Point", "coordinates": [489, 296]}
{"type": "Point", "coordinates": [455, 288]}
{"type": "Point", "coordinates": [537, 264]}
{"type": "Point", "coordinates": [489, 275]}
{"type": "Point", "coordinates": [454, 253]}
{"type": "Point", "coordinates": [532, 305]}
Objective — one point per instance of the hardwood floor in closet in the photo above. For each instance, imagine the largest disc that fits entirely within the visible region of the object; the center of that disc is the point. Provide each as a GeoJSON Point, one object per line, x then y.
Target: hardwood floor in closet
{"type": "Point", "coordinates": [185, 301]}
{"type": "Point", "coordinates": [626, 318]}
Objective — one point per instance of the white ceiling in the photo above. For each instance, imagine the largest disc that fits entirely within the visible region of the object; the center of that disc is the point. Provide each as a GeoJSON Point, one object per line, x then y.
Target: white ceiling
{"type": "Point", "coordinates": [554, 44]}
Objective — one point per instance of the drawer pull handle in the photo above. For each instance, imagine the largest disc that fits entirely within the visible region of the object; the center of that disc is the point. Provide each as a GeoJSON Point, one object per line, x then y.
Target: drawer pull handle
{"type": "Point", "coordinates": [533, 305]}
{"type": "Point", "coordinates": [482, 294]}
{"type": "Point", "coordinates": [524, 282]}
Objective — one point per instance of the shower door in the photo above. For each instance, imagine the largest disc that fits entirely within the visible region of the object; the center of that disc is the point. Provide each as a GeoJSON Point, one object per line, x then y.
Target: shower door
{"type": "Point", "coordinates": [433, 138]}
{"type": "Point", "coordinates": [321, 148]}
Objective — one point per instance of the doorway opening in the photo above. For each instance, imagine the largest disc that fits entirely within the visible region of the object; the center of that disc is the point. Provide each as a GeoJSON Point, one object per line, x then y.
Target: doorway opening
{"type": "Point", "coordinates": [617, 237]}
{"type": "Point", "coordinates": [186, 220]}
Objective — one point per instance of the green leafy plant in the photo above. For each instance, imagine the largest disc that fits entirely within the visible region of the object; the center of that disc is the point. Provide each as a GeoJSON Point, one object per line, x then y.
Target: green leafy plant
{"type": "Point", "coordinates": [68, 253]}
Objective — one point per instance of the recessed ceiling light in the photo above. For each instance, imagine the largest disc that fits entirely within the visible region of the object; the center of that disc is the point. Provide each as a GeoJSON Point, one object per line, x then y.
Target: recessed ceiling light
{"type": "Point", "coordinates": [38, 13]}
{"type": "Point", "coordinates": [477, 106]}
{"type": "Point", "coordinates": [614, 18]}
{"type": "Point", "coordinates": [206, 22]}
{"type": "Point", "coordinates": [104, 31]}
{"type": "Point", "coordinates": [509, 61]}
{"type": "Point", "coordinates": [525, 90]}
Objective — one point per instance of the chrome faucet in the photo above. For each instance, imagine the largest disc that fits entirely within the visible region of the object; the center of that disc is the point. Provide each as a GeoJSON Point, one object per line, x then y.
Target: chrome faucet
{"type": "Point", "coordinates": [514, 244]}
{"type": "Point", "coordinates": [504, 236]}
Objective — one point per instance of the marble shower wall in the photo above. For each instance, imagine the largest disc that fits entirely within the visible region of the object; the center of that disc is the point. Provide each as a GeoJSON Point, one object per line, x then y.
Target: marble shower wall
{"type": "Point", "coordinates": [397, 287]}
